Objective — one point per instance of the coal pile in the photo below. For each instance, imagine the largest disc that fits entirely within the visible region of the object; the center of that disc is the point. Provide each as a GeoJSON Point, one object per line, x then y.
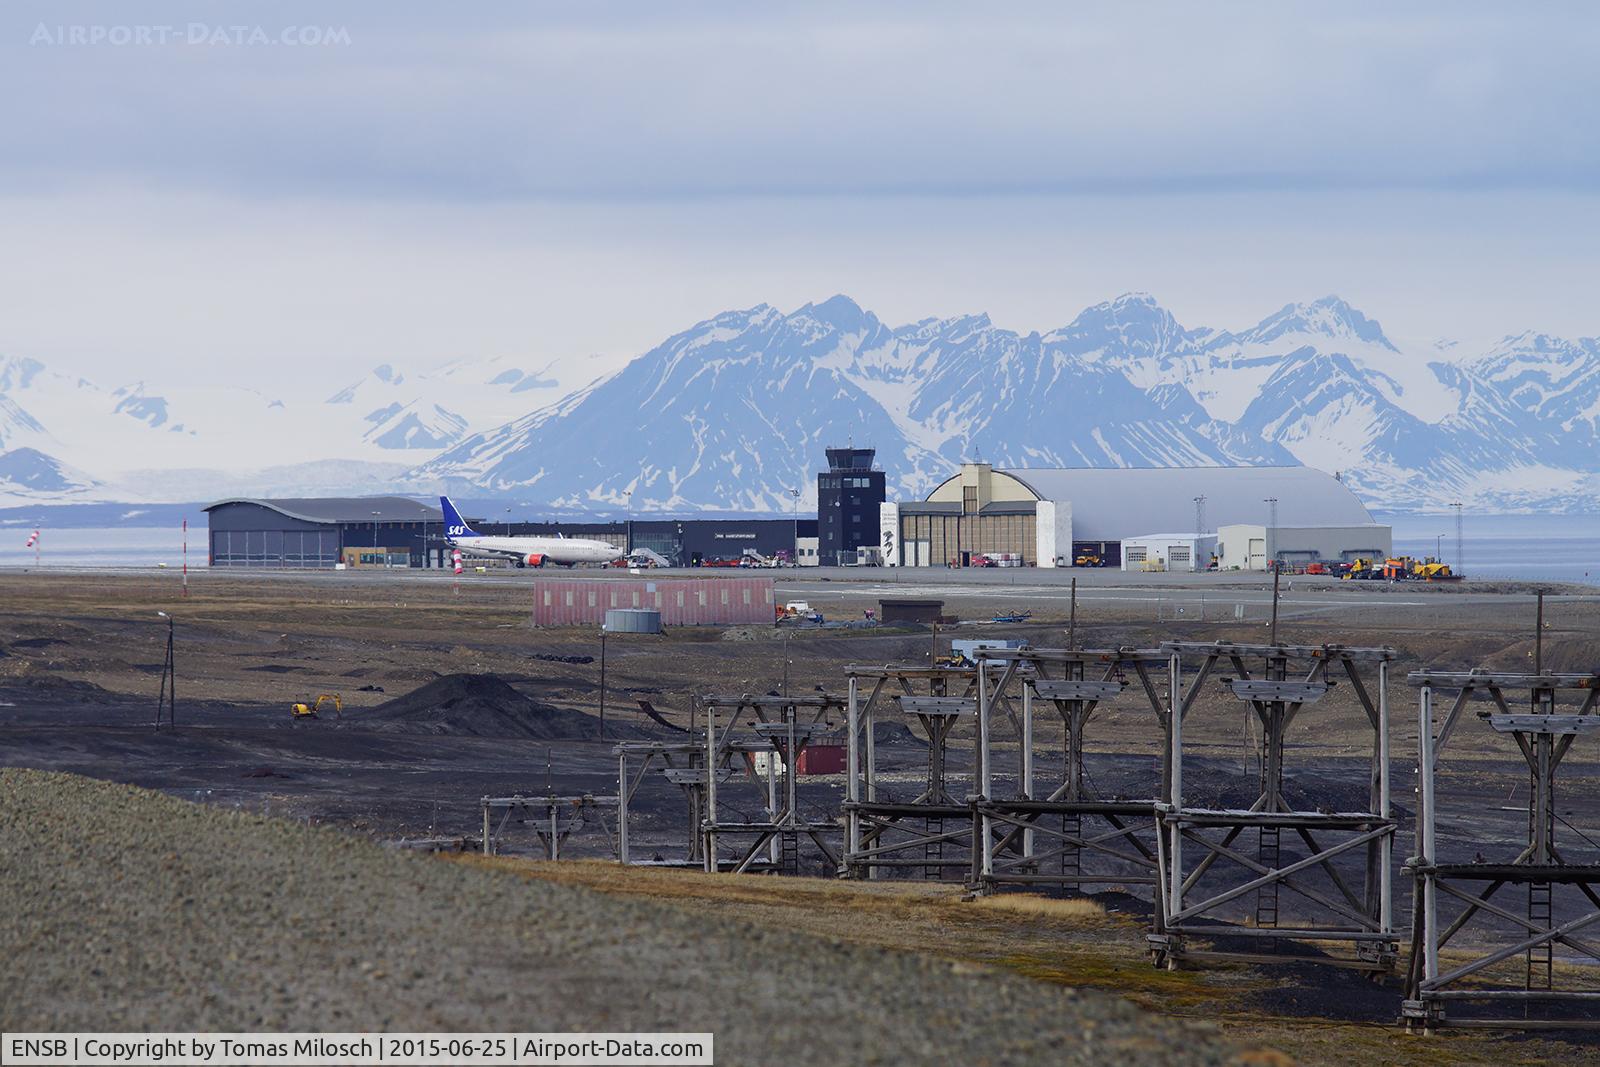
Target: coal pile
{"type": "Point", "coordinates": [895, 733]}
{"type": "Point", "coordinates": [482, 705]}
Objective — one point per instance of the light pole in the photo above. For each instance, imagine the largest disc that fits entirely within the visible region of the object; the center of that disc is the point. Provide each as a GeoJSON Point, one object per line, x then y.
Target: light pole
{"type": "Point", "coordinates": [603, 683]}
{"type": "Point", "coordinates": [1438, 547]}
{"type": "Point", "coordinates": [1272, 527]}
{"type": "Point", "coordinates": [795, 559]}
{"type": "Point", "coordinates": [1460, 551]}
{"type": "Point", "coordinates": [508, 522]}
{"type": "Point", "coordinates": [375, 515]}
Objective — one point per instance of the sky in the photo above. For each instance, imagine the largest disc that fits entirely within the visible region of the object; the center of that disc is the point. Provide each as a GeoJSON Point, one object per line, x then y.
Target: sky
{"type": "Point", "coordinates": [312, 190]}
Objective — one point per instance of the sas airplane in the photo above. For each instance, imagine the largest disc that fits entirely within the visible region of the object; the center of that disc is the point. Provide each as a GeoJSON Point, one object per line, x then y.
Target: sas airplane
{"type": "Point", "coordinates": [524, 551]}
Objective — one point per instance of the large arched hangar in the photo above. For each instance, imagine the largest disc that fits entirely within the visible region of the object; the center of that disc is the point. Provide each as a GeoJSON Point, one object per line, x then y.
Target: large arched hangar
{"type": "Point", "coordinates": [1048, 516]}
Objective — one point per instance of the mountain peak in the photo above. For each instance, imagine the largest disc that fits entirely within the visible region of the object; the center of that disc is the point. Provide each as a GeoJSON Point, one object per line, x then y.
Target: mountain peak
{"type": "Point", "coordinates": [1136, 298]}
{"type": "Point", "coordinates": [1328, 316]}
{"type": "Point", "coordinates": [16, 372]}
{"type": "Point", "coordinates": [30, 470]}
{"type": "Point", "coordinates": [839, 304]}
{"type": "Point", "coordinates": [1133, 324]}
{"type": "Point", "coordinates": [1131, 303]}
{"type": "Point", "coordinates": [838, 311]}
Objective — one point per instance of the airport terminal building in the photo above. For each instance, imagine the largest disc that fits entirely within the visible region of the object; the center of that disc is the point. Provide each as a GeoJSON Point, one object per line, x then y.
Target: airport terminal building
{"type": "Point", "coordinates": [394, 531]}
{"type": "Point", "coordinates": [1050, 516]}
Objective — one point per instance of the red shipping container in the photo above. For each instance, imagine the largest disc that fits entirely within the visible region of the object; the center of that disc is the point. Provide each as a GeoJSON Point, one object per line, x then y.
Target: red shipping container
{"type": "Point", "coordinates": [821, 759]}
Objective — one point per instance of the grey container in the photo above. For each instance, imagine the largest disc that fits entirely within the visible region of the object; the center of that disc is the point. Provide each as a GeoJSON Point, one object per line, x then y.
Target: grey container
{"type": "Point", "coordinates": [632, 621]}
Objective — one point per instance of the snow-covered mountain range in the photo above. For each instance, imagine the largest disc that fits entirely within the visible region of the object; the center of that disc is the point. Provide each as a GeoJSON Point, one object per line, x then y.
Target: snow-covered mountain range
{"type": "Point", "coordinates": [734, 410]}
{"type": "Point", "coordinates": [733, 414]}
{"type": "Point", "coordinates": [171, 441]}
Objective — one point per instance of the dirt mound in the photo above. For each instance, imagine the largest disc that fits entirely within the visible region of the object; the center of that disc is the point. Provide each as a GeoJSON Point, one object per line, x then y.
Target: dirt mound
{"type": "Point", "coordinates": [58, 684]}
{"type": "Point", "coordinates": [38, 642]}
{"type": "Point", "coordinates": [1562, 655]}
{"type": "Point", "coordinates": [482, 705]}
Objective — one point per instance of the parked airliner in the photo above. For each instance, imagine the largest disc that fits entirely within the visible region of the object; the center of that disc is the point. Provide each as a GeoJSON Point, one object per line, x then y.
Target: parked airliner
{"type": "Point", "coordinates": [524, 551]}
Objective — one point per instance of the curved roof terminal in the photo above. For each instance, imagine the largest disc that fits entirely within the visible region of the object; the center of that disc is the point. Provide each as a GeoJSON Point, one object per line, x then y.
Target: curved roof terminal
{"type": "Point", "coordinates": [342, 508]}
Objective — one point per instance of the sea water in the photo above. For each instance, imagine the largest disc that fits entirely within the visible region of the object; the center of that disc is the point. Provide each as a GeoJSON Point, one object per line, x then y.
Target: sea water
{"type": "Point", "coordinates": [1549, 548]}
{"type": "Point", "coordinates": [1537, 548]}
{"type": "Point", "coordinates": [102, 546]}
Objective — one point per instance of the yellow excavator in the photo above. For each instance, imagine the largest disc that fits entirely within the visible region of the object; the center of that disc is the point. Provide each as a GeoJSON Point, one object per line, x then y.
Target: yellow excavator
{"type": "Point", "coordinates": [310, 710]}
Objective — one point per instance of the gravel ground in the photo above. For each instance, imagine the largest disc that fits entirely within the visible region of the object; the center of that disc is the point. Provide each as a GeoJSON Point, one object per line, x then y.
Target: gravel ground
{"type": "Point", "coordinates": [124, 909]}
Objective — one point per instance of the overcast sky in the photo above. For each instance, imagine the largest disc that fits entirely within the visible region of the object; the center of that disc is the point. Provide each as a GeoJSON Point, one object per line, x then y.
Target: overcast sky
{"type": "Point", "coordinates": [564, 181]}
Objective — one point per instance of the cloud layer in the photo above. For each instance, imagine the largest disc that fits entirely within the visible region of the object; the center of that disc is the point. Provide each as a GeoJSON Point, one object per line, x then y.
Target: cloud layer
{"type": "Point", "coordinates": [559, 180]}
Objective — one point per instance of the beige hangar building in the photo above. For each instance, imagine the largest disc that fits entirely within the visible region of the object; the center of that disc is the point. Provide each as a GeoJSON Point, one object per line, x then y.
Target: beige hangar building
{"type": "Point", "coordinates": [1050, 515]}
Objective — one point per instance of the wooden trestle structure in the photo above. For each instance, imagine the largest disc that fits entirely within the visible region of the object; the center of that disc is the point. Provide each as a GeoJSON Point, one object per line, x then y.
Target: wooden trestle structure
{"type": "Point", "coordinates": [1059, 832]}
{"type": "Point", "coordinates": [552, 819]}
{"type": "Point", "coordinates": [1558, 884]}
{"type": "Point", "coordinates": [1299, 894]}
{"type": "Point", "coordinates": [1281, 879]}
{"type": "Point", "coordinates": [930, 832]}
{"type": "Point", "coordinates": [786, 725]}
{"type": "Point", "coordinates": [683, 764]}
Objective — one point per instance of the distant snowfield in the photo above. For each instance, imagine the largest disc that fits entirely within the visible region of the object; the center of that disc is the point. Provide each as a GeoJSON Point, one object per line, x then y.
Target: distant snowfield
{"type": "Point", "coordinates": [733, 414]}
{"type": "Point", "coordinates": [166, 441]}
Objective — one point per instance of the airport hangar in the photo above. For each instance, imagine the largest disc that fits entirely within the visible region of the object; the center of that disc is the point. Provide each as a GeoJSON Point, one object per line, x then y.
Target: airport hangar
{"type": "Point", "coordinates": [394, 531]}
{"type": "Point", "coordinates": [1051, 515]}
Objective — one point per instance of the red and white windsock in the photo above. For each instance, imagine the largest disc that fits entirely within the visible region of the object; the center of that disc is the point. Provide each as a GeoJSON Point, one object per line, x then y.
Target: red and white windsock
{"type": "Point", "coordinates": [455, 558]}
{"type": "Point", "coordinates": [33, 539]}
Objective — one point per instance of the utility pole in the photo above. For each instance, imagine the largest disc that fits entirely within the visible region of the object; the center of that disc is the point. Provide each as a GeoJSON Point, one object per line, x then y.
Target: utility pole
{"type": "Point", "coordinates": [1072, 619]}
{"type": "Point", "coordinates": [167, 700]}
{"type": "Point", "coordinates": [1276, 574]}
{"type": "Point", "coordinates": [1271, 539]}
{"type": "Point", "coordinates": [1538, 636]}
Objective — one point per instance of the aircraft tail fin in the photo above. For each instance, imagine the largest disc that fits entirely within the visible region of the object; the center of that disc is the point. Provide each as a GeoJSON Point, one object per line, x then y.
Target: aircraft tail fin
{"type": "Point", "coordinates": [454, 524]}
